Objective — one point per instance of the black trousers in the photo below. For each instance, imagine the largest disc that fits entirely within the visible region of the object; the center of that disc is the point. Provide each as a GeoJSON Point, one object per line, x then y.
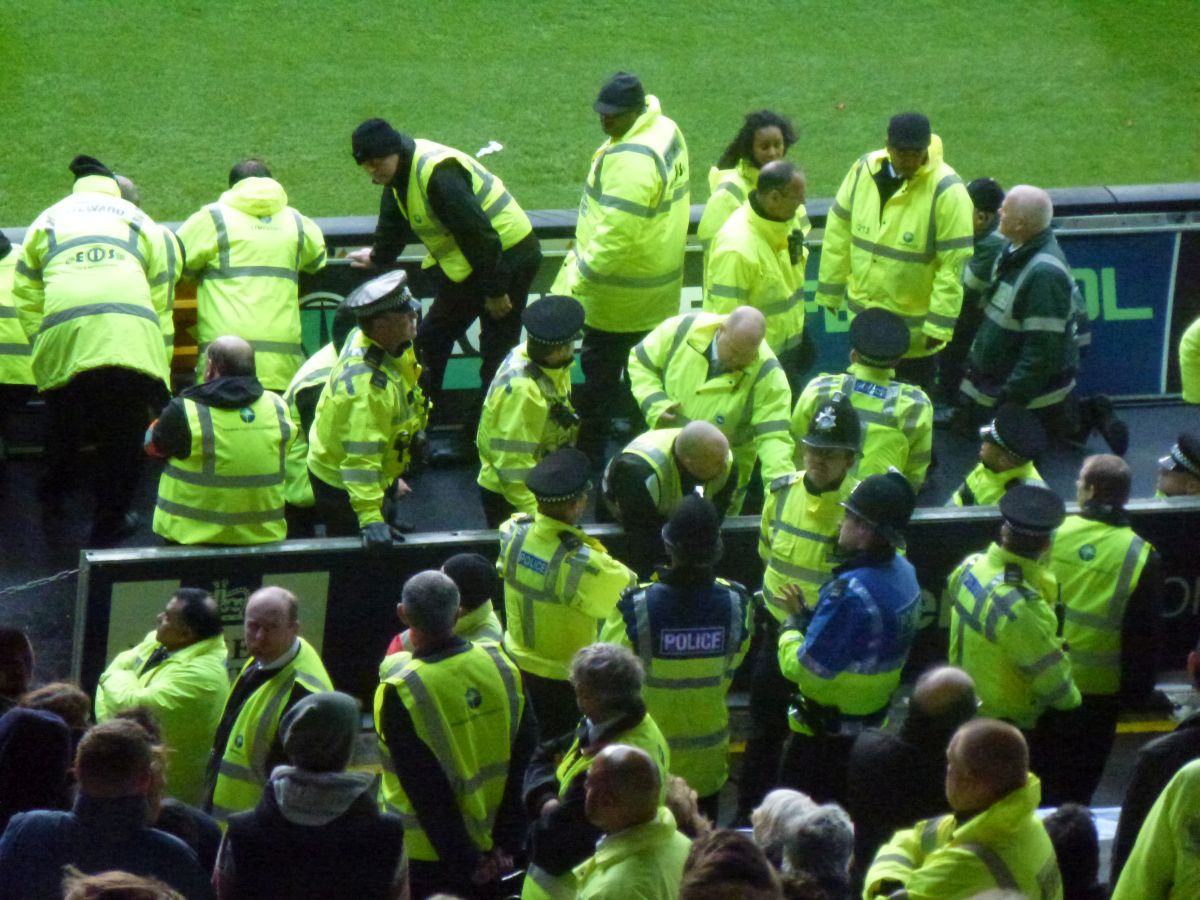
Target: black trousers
{"type": "Point", "coordinates": [817, 764]}
{"type": "Point", "coordinates": [553, 704]}
{"type": "Point", "coordinates": [797, 363]}
{"type": "Point", "coordinates": [920, 370]}
{"type": "Point", "coordinates": [334, 509]}
{"type": "Point", "coordinates": [1068, 750]}
{"type": "Point", "coordinates": [457, 304]}
{"type": "Point", "coordinates": [605, 393]}
{"type": "Point", "coordinates": [110, 407]}
{"type": "Point", "coordinates": [496, 509]}
{"type": "Point", "coordinates": [770, 695]}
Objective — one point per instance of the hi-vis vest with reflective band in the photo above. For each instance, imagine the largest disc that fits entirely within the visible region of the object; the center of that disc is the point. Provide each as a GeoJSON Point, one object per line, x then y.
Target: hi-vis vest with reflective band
{"type": "Point", "coordinates": [1004, 633]}
{"type": "Point", "coordinates": [898, 420]}
{"type": "Point", "coordinates": [907, 257]}
{"type": "Point", "coordinates": [626, 266]}
{"type": "Point", "coordinates": [559, 585]}
{"type": "Point", "coordinates": [311, 376]}
{"type": "Point", "coordinates": [751, 407]}
{"type": "Point", "coordinates": [465, 708]}
{"type": "Point", "coordinates": [164, 285]}
{"type": "Point", "coordinates": [480, 625]}
{"type": "Point", "coordinates": [16, 365]}
{"type": "Point", "coordinates": [657, 448]}
{"type": "Point", "coordinates": [82, 286]}
{"type": "Point", "coordinates": [1004, 847]}
{"type": "Point", "coordinates": [243, 769]}
{"type": "Point", "coordinates": [367, 416]}
{"type": "Point", "coordinates": [525, 418]}
{"type": "Point", "coordinates": [748, 264]}
{"type": "Point", "coordinates": [729, 189]}
{"type": "Point", "coordinates": [983, 487]}
{"type": "Point", "coordinates": [247, 251]}
{"type": "Point", "coordinates": [689, 662]}
{"type": "Point", "coordinates": [1097, 566]}
{"type": "Point", "coordinates": [230, 488]}
{"type": "Point", "coordinates": [797, 535]}
{"type": "Point", "coordinates": [505, 214]}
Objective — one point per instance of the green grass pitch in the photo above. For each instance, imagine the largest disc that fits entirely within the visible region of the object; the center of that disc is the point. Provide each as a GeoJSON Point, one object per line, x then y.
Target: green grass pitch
{"type": "Point", "coordinates": [1077, 92]}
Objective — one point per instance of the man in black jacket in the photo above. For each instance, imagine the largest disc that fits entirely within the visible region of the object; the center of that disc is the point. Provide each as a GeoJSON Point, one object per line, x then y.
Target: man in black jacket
{"type": "Point", "coordinates": [1156, 764]}
{"type": "Point", "coordinates": [479, 240]}
{"type": "Point", "coordinates": [896, 779]}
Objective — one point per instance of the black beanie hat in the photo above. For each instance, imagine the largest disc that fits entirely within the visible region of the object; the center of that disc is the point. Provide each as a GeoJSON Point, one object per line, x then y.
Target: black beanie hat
{"type": "Point", "coordinates": [88, 165]}
{"type": "Point", "coordinates": [694, 530]}
{"type": "Point", "coordinates": [374, 139]}
{"type": "Point", "coordinates": [475, 578]}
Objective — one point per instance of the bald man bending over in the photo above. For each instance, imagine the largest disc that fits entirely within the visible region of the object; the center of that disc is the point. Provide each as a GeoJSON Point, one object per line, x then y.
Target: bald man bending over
{"type": "Point", "coordinates": [225, 442]}
{"type": "Point", "coordinates": [642, 853]}
{"type": "Point", "coordinates": [896, 777]}
{"type": "Point", "coordinates": [645, 483]}
{"type": "Point", "coordinates": [719, 369]}
{"type": "Point", "coordinates": [992, 839]}
{"type": "Point", "coordinates": [282, 670]}
{"type": "Point", "coordinates": [1026, 348]}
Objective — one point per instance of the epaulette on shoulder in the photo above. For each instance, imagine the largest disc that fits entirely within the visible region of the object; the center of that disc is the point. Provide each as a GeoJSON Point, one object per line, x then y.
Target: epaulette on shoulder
{"type": "Point", "coordinates": [570, 540]}
{"type": "Point", "coordinates": [373, 360]}
{"type": "Point", "coordinates": [1013, 574]}
{"type": "Point", "coordinates": [522, 518]}
{"type": "Point", "coordinates": [734, 585]}
{"type": "Point", "coordinates": [784, 480]}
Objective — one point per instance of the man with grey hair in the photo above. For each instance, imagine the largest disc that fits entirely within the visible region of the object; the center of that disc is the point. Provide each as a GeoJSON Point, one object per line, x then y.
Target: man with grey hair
{"type": "Point", "coordinates": [818, 848]}
{"type": "Point", "coordinates": [772, 820]}
{"type": "Point", "coordinates": [608, 690]}
{"type": "Point", "coordinates": [1026, 349]}
{"type": "Point", "coordinates": [455, 737]}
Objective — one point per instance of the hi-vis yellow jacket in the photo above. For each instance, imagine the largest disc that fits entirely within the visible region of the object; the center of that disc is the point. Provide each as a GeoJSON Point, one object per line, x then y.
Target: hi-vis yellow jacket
{"type": "Point", "coordinates": [626, 266]}
{"type": "Point", "coordinates": [907, 257]}
{"type": "Point", "coordinates": [82, 286]}
{"type": "Point", "coordinates": [15, 352]}
{"type": "Point", "coordinates": [247, 251]}
{"type": "Point", "coordinates": [729, 190]}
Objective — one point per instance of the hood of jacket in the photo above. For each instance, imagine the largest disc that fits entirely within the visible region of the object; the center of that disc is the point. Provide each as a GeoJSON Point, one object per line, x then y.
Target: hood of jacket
{"type": "Point", "coordinates": [645, 120]}
{"type": "Point", "coordinates": [1003, 818]}
{"type": "Point", "coordinates": [256, 197]}
{"type": "Point", "coordinates": [316, 798]}
{"type": "Point", "coordinates": [226, 392]}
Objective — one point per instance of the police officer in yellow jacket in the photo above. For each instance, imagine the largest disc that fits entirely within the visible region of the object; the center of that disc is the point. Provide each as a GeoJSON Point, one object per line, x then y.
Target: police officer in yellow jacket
{"type": "Point", "coordinates": [178, 673]}
{"type": "Point", "coordinates": [802, 514]}
{"type": "Point", "coordinates": [845, 650]}
{"type": "Point", "coordinates": [16, 368]}
{"type": "Point", "coordinates": [691, 631]}
{"type": "Point", "coordinates": [84, 299]}
{"type": "Point", "coordinates": [560, 584]}
{"type": "Point", "coordinates": [302, 397]}
{"type": "Point", "coordinates": [1004, 626]}
{"type": "Point", "coordinates": [757, 259]}
{"type": "Point", "coordinates": [608, 682]}
{"type": "Point", "coordinates": [719, 368]}
{"type": "Point", "coordinates": [246, 252]}
{"type": "Point", "coordinates": [898, 234]}
{"type": "Point", "coordinates": [455, 737]}
{"type": "Point", "coordinates": [645, 483]}
{"type": "Point", "coordinates": [528, 411]}
{"type": "Point", "coordinates": [370, 415]}
{"type": "Point", "coordinates": [481, 249]}
{"type": "Point", "coordinates": [283, 669]}
{"type": "Point", "coordinates": [992, 842]}
{"type": "Point", "coordinates": [626, 265]}
{"type": "Point", "coordinates": [226, 442]}
{"type": "Point", "coordinates": [1111, 583]}
{"type": "Point", "coordinates": [1009, 445]}
{"type": "Point", "coordinates": [897, 417]}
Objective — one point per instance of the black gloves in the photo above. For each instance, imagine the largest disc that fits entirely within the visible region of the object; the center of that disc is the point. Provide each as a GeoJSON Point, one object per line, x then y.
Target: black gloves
{"type": "Point", "coordinates": [379, 535]}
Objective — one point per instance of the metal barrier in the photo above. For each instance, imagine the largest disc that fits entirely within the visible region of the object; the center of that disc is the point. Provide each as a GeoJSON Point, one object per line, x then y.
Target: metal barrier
{"type": "Point", "coordinates": [348, 597]}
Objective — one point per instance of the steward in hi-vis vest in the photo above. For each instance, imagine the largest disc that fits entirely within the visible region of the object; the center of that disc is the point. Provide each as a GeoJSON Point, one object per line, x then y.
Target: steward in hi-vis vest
{"type": "Point", "coordinates": [691, 631]}
{"type": "Point", "coordinates": [455, 738]}
{"type": "Point", "coordinates": [246, 253]}
{"type": "Point", "coordinates": [283, 669]}
{"type": "Point", "coordinates": [16, 368]}
{"type": "Point", "coordinates": [481, 249]}
{"type": "Point", "coordinates": [226, 442]}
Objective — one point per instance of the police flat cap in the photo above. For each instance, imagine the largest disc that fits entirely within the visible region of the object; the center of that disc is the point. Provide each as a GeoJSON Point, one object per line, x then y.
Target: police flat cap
{"type": "Point", "coordinates": [835, 426]}
{"type": "Point", "coordinates": [879, 337]}
{"type": "Point", "coordinates": [553, 320]}
{"type": "Point", "coordinates": [1016, 430]}
{"type": "Point", "coordinates": [694, 530]}
{"type": "Point", "coordinates": [387, 293]}
{"type": "Point", "coordinates": [561, 475]}
{"type": "Point", "coordinates": [1032, 509]}
{"type": "Point", "coordinates": [1184, 456]}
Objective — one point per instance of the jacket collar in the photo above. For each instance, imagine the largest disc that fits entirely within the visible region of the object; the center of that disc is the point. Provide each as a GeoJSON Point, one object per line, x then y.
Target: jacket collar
{"type": "Point", "coordinates": [1102, 512]}
{"type": "Point", "coordinates": [115, 815]}
{"type": "Point", "coordinates": [620, 845]}
{"type": "Point", "coordinates": [771, 230]}
{"type": "Point", "coordinates": [1038, 575]}
{"type": "Point", "coordinates": [1004, 817]}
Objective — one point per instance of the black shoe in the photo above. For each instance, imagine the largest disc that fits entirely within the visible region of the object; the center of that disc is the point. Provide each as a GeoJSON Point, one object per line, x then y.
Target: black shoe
{"type": "Point", "coordinates": [1111, 427]}
{"type": "Point", "coordinates": [112, 532]}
